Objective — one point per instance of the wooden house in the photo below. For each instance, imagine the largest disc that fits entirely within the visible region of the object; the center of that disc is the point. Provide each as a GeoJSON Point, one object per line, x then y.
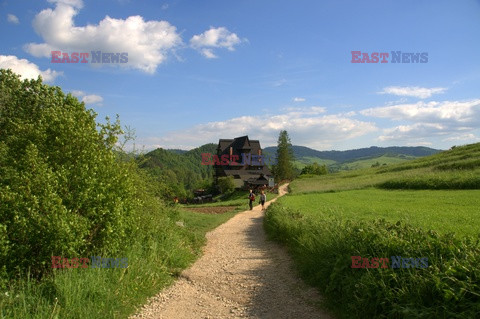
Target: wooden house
{"type": "Point", "coordinates": [245, 163]}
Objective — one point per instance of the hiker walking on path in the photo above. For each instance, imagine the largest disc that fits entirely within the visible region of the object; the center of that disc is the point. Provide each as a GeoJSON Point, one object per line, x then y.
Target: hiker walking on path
{"type": "Point", "coordinates": [263, 199]}
{"type": "Point", "coordinates": [251, 198]}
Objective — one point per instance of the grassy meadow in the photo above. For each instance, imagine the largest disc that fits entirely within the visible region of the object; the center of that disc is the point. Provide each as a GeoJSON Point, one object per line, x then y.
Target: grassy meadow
{"type": "Point", "coordinates": [445, 211]}
{"type": "Point", "coordinates": [114, 293]}
{"type": "Point", "coordinates": [422, 208]}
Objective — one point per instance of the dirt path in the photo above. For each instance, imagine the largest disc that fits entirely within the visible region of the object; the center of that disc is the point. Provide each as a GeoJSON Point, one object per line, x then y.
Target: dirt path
{"type": "Point", "coordinates": [240, 275]}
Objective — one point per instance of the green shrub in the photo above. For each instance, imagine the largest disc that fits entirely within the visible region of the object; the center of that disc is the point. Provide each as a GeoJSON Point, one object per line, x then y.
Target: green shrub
{"type": "Point", "coordinates": [226, 184]}
{"type": "Point", "coordinates": [314, 169]}
{"type": "Point", "coordinates": [62, 192]}
{"type": "Point", "coordinates": [322, 250]}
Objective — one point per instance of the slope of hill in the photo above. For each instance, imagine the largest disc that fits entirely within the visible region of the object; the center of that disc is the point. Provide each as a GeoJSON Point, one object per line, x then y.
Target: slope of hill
{"type": "Point", "coordinates": [458, 168]}
{"type": "Point", "coordinates": [345, 160]}
{"type": "Point", "coordinates": [426, 208]}
{"type": "Point", "coordinates": [179, 171]}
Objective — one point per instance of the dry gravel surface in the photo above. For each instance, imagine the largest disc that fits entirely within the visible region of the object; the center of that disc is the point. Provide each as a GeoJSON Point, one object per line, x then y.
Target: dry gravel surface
{"type": "Point", "coordinates": [241, 274]}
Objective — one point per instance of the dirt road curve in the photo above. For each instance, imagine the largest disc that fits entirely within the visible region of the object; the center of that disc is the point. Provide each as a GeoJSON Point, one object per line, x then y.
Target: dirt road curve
{"type": "Point", "coordinates": [240, 275]}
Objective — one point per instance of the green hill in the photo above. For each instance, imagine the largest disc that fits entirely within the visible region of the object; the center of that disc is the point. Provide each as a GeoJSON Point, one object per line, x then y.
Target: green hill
{"type": "Point", "coordinates": [339, 226]}
{"type": "Point", "coordinates": [457, 168]}
{"type": "Point", "coordinates": [354, 159]}
{"type": "Point", "coordinates": [179, 171]}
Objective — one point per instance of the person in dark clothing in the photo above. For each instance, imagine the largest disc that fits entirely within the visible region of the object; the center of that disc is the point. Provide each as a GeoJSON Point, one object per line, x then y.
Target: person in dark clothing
{"type": "Point", "coordinates": [263, 198]}
{"type": "Point", "coordinates": [251, 198]}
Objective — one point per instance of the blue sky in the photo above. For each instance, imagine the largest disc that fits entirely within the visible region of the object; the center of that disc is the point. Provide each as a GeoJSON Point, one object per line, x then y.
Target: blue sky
{"type": "Point", "coordinates": [198, 71]}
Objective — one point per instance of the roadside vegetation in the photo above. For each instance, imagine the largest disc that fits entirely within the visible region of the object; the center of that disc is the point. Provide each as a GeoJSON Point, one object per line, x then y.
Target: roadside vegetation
{"type": "Point", "coordinates": [67, 189]}
{"type": "Point", "coordinates": [423, 208]}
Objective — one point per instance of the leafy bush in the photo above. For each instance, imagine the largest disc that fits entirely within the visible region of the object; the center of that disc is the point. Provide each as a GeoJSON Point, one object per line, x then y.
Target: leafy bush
{"type": "Point", "coordinates": [226, 184]}
{"type": "Point", "coordinates": [62, 191]}
{"type": "Point", "coordinates": [314, 169]}
{"type": "Point", "coordinates": [322, 250]}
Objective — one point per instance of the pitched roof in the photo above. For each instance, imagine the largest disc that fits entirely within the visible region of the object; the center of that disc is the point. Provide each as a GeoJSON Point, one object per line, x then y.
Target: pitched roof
{"type": "Point", "coordinates": [239, 145]}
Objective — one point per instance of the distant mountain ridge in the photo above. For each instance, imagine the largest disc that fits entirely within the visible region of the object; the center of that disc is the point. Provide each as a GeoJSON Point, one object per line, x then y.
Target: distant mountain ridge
{"type": "Point", "coordinates": [355, 154]}
{"type": "Point", "coordinates": [182, 171]}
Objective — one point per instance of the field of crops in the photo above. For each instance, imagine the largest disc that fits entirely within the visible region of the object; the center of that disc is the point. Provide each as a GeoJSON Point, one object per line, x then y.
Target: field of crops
{"type": "Point", "coordinates": [426, 208]}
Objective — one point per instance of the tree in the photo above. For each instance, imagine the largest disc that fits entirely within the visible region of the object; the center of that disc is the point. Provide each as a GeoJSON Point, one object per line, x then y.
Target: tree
{"type": "Point", "coordinates": [314, 169]}
{"type": "Point", "coordinates": [62, 190]}
{"type": "Point", "coordinates": [226, 184]}
{"type": "Point", "coordinates": [284, 168]}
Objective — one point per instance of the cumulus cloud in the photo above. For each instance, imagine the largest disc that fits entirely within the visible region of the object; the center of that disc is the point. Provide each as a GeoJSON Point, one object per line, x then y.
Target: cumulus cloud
{"type": "Point", "coordinates": [434, 119]}
{"type": "Point", "coordinates": [462, 137]}
{"type": "Point", "coordinates": [307, 126]}
{"type": "Point", "coordinates": [298, 99]}
{"type": "Point", "coordinates": [88, 99]}
{"type": "Point", "coordinates": [12, 19]}
{"type": "Point", "coordinates": [451, 111]}
{"type": "Point", "coordinates": [26, 69]}
{"type": "Point", "coordinates": [73, 3]}
{"type": "Point", "coordinates": [413, 91]}
{"type": "Point", "coordinates": [148, 43]}
{"type": "Point", "coordinates": [214, 38]}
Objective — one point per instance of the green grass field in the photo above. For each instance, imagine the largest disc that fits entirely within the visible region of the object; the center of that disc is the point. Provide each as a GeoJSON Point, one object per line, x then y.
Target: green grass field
{"type": "Point", "coordinates": [441, 210]}
{"type": "Point", "coordinates": [114, 293]}
{"type": "Point", "coordinates": [428, 207]}
{"type": "Point", "coordinates": [382, 160]}
{"type": "Point", "coordinates": [307, 160]}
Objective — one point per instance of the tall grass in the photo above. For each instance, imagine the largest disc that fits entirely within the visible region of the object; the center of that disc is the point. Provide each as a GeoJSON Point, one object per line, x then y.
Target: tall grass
{"type": "Point", "coordinates": [322, 250]}
{"type": "Point", "coordinates": [159, 250]}
{"type": "Point", "coordinates": [337, 218]}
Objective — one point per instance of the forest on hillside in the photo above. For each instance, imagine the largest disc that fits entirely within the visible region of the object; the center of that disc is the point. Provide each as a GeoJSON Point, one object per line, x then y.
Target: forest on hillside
{"type": "Point", "coordinates": [178, 173]}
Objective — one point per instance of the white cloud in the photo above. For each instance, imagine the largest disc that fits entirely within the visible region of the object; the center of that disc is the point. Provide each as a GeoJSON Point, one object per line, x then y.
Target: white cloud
{"type": "Point", "coordinates": [214, 38]}
{"type": "Point", "coordinates": [72, 3]}
{"type": "Point", "coordinates": [88, 99]}
{"type": "Point", "coordinates": [432, 112]}
{"type": "Point", "coordinates": [415, 131]}
{"type": "Point", "coordinates": [148, 43]}
{"type": "Point", "coordinates": [462, 137]}
{"type": "Point", "coordinates": [78, 93]}
{"type": "Point", "coordinates": [26, 69]}
{"type": "Point", "coordinates": [432, 119]}
{"type": "Point", "coordinates": [414, 91]}
{"type": "Point", "coordinates": [12, 19]}
{"type": "Point", "coordinates": [298, 99]}
{"type": "Point", "coordinates": [305, 126]}
{"type": "Point", "coordinates": [92, 99]}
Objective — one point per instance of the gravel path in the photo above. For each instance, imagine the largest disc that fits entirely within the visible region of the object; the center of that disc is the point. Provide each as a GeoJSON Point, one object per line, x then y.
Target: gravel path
{"type": "Point", "coordinates": [240, 275]}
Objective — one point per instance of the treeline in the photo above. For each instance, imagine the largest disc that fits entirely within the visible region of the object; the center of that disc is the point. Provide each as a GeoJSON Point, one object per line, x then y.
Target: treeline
{"type": "Point", "coordinates": [354, 155]}
{"type": "Point", "coordinates": [178, 173]}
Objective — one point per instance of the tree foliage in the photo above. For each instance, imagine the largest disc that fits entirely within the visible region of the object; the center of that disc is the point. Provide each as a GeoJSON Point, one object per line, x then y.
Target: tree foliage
{"type": "Point", "coordinates": [179, 173]}
{"type": "Point", "coordinates": [314, 169]}
{"type": "Point", "coordinates": [226, 184]}
{"type": "Point", "coordinates": [62, 191]}
{"type": "Point", "coordinates": [284, 168]}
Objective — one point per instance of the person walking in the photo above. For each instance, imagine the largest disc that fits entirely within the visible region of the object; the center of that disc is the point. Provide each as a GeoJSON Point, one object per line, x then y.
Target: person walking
{"type": "Point", "coordinates": [251, 198]}
{"type": "Point", "coordinates": [263, 199]}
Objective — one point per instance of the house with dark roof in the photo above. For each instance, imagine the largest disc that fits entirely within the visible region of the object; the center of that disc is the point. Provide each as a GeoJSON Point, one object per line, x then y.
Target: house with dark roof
{"type": "Point", "coordinates": [242, 158]}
